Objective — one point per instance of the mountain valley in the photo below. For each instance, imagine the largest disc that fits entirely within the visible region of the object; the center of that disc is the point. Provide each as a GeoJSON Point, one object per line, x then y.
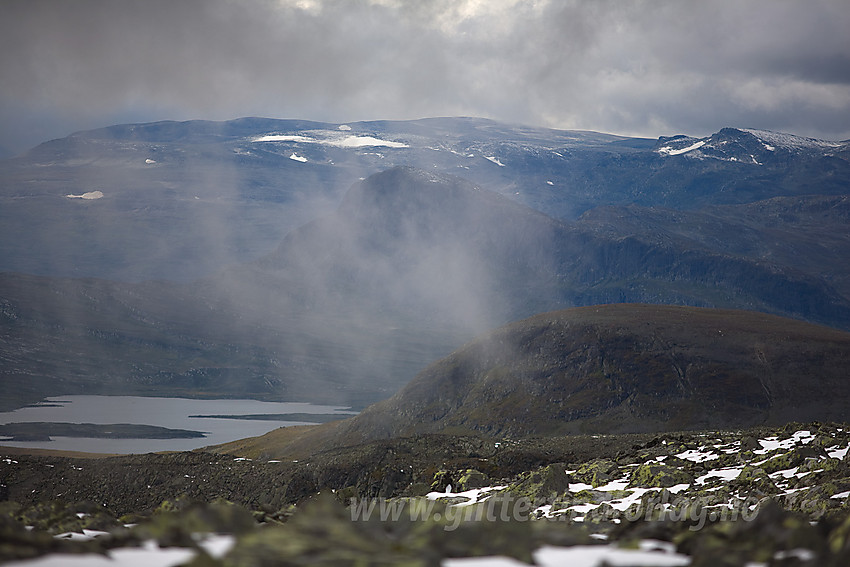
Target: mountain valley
{"type": "Point", "coordinates": [639, 345]}
{"type": "Point", "coordinates": [410, 266]}
{"type": "Point", "coordinates": [407, 265]}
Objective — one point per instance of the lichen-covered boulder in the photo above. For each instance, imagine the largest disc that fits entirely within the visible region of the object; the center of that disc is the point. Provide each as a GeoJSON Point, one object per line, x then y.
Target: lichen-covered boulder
{"type": "Point", "coordinates": [442, 480]}
{"type": "Point", "coordinates": [659, 475]}
{"type": "Point", "coordinates": [544, 485]}
{"type": "Point", "coordinates": [471, 478]}
{"type": "Point", "coordinates": [793, 458]}
{"type": "Point", "coordinates": [597, 472]}
{"type": "Point", "coordinates": [749, 443]}
{"type": "Point", "coordinates": [753, 481]}
{"type": "Point", "coordinates": [765, 536]}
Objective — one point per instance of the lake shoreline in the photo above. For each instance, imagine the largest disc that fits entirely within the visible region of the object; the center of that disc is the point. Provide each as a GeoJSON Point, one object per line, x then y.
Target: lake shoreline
{"type": "Point", "coordinates": [45, 431]}
{"type": "Point", "coordinates": [145, 424]}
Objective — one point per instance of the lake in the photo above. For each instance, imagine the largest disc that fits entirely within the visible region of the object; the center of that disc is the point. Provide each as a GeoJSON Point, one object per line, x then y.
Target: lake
{"type": "Point", "coordinates": [173, 413]}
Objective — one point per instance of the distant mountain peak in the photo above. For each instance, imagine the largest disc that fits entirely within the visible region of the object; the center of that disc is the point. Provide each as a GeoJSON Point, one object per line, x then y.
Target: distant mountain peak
{"type": "Point", "coordinates": [399, 186]}
{"type": "Point", "coordinates": [744, 145]}
{"type": "Point", "coordinates": [790, 141]}
{"type": "Point", "coordinates": [409, 192]}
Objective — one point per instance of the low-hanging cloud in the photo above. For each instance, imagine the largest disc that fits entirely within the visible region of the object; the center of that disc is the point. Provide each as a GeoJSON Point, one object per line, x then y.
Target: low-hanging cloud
{"type": "Point", "coordinates": [644, 68]}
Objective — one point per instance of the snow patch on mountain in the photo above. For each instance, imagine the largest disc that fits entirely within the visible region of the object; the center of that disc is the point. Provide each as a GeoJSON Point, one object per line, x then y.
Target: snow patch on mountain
{"type": "Point", "coordinates": [284, 138]}
{"type": "Point", "coordinates": [331, 138]}
{"type": "Point", "coordinates": [360, 141]}
{"type": "Point", "coordinates": [90, 196]}
{"type": "Point", "coordinates": [670, 151]}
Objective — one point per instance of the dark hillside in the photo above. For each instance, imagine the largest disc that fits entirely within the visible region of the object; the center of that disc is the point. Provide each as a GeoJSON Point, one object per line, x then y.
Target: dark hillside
{"type": "Point", "coordinates": [624, 368]}
{"type": "Point", "coordinates": [349, 307]}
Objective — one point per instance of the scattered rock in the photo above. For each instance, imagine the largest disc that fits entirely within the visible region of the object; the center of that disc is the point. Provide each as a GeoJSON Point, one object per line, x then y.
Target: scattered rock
{"type": "Point", "coordinates": [659, 475]}
{"type": "Point", "coordinates": [471, 478]}
{"type": "Point", "coordinates": [749, 443]}
{"type": "Point", "coordinates": [798, 514]}
{"type": "Point", "coordinates": [543, 485]}
{"type": "Point", "coordinates": [753, 481]}
{"type": "Point", "coordinates": [597, 472]}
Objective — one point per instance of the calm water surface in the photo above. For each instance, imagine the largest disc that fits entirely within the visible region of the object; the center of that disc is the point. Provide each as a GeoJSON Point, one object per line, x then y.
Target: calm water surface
{"type": "Point", "coordinates": [164, 412]}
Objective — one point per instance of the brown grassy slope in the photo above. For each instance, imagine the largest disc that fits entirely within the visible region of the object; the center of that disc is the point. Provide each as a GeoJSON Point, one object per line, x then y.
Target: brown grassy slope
{"type": "Point", "coordinates": [7, 450]}
{"type": "Point", "coordinates": [296, 442]}
{"type": "Point", "coordinates": [614, 369]}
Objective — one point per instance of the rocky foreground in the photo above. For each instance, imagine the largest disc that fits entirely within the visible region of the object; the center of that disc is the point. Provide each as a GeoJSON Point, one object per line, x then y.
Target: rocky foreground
{"type": "Point", "coordinates": [751, 497]}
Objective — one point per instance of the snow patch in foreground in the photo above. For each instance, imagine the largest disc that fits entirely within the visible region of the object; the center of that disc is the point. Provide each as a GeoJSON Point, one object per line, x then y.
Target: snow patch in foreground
{"type": "Point", "coordinates": [773, 443]}
{"type": "Point", "coordinates": [473, 496]}
{"type": "Point", "coordinates": [725, 474]}
{"type": "Point", "coordinates": [837, 453]}
{"type": "Point", "coordinates": [584, 556]}
{"type": "Point", "coordinates": [698, 456]}
{"type": "Point", "coordinates": [151, 555]}
{"type": "Point", "coordinates": [91, 195]}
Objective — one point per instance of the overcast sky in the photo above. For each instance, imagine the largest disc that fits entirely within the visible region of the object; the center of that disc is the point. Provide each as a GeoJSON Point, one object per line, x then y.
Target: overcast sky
{"type": "Point", "coordinates": [637, 68]}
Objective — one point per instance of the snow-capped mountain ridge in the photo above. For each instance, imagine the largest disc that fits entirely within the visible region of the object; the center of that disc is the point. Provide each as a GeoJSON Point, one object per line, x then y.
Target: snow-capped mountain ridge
{"type": "Point", "coordinates": [744, 145]}
{"type": "Point", "coordinates": [260, 178]}
{"type": "Point", "coordinates": [791, 141]}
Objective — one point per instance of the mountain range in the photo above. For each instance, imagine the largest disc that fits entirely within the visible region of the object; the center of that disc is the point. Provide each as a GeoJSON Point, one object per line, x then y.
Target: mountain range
{"type": "Point", "coordinates": [238, 258]}
{"type": "Point", "coordinates": [180, 200]}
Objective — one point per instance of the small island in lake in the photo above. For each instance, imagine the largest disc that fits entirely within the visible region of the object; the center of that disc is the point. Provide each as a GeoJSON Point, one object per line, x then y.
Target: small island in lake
{"type": "Point", "coordinates": [43, 431]}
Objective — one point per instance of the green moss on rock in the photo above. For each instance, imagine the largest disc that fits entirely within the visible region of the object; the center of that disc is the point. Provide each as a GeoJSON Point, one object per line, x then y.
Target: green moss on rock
{"type": "Point", "coordinates": [754, 481]}
{"type": "Point", "coordinates": [659, 475]}
{"type": "Point", "coordinates": [769, 532]}
{"type": "Point", "coordinates": [597, 472]}
{"type": "Point", "coordinates": [471, 478]}
{"type": "Point", "coordinates": [442, 480]}
{"type": "Point", "coordinates": [545, 484]}
{"type": "Point", "coordinates": [792, 458]}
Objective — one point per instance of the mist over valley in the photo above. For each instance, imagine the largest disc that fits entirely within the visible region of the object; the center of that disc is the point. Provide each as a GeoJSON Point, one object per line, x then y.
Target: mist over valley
{"type": "Point", "coordinates": [215, 264]}
{"type": "Point", "coordinates": [437, 317]}
{"type": "Point", "coordinates": [433, 283]}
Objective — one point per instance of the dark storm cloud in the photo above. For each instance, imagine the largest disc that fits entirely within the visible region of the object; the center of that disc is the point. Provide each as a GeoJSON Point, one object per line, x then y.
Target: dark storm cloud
{"type": "Point", "coordinates": [646, 68]}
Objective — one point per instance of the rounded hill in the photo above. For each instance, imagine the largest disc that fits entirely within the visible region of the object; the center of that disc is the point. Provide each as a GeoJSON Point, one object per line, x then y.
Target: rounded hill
{"type": "Point", "coordinates": [624, 368]}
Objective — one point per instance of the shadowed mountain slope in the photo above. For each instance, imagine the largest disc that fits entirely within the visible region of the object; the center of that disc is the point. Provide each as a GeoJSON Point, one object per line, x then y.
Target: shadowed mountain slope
{"type": "Point", "coordinates": [411, 264]}
{"type": "Point", "coordinates": [808, 236]}
{"type": "Point", "coordinates": [620, 368]}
